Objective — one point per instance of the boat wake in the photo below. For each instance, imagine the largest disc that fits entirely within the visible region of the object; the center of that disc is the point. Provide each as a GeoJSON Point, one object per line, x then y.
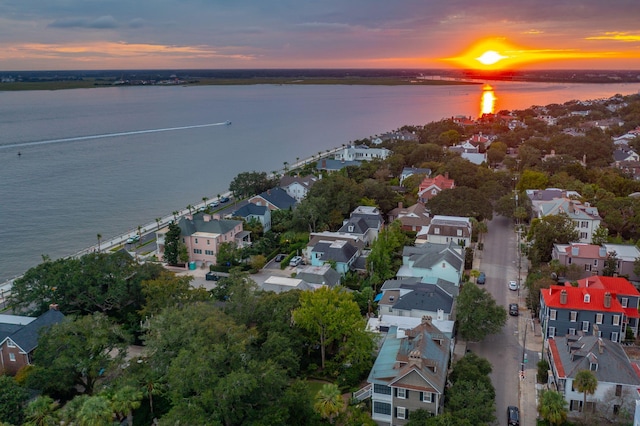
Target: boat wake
{"type": "Point", "coordinates": [111, 135]}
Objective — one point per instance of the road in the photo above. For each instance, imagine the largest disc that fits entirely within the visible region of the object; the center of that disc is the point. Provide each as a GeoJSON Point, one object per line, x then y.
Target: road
{"type": "Point", "coordinates": [498, 261]}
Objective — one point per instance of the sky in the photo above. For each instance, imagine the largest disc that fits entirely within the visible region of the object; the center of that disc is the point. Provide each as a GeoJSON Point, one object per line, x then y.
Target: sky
{"type": "Point", "coordinates": [245, 34]}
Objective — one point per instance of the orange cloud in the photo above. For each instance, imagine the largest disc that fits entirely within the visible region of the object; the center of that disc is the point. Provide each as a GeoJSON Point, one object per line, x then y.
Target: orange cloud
{"type": "Point", "coordinates": [616, 36]}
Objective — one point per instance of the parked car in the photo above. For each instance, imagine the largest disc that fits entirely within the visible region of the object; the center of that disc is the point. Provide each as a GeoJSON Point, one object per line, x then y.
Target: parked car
{"type": "Point", "coordinates": [295, 261]}
{"type": "Point", "coordinates": [481, 278]}
{"type": "Point", "coordinates": [513, 416]}
{"type": "Point", "coordinates": [214, 204]}
{"type": "Point", "coordinates": [130, 240]}
{"type": "Point", "coordinates": [224, 199]}
{"type": "Point", "coordinates": [211, 276]}
{"type": "Point", "coordinates": [280, 257]}
{"type": "Point", "coordinates": [513, 286]}
{"type": "Point", "coordinates": [514, 310]}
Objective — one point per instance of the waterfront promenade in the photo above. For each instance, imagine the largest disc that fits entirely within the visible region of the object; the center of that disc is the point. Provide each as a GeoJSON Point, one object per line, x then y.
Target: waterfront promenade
{"type": "Point", "coordinates": [118, 241]}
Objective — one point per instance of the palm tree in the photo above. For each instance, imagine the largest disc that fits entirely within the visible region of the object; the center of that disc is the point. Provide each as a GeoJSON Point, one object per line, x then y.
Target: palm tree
{"type": "Point", "coordinates": [175, 214]}
{"type": "Point", "coordinates": [587, 383]}
{"type": "Point", "coordinates": [204, 200]}
{"type": "Point", "coordinates": [552, 407]}
{"type": "Point", "coordinates": [158, 222]}
{"type": "Point", "coordinates": [42, 412]}
{"type": "Point", "coordinates": [189, 207]}
{"type": "Point", "coordinates": [124, 401]}
{"type": "Point", "coordinates": [328, 401]}
{"type": "Point", "coordinates": [99, 238]}
{"type": "Point", "coordinates": [96, 411]}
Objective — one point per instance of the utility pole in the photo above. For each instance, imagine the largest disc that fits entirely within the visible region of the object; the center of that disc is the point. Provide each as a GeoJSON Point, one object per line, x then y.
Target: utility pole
{"type": "Point", "coordinates": [518, 250]}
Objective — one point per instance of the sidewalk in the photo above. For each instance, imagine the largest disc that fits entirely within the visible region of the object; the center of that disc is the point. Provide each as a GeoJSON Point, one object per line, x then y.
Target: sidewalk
{"type": "Point", "coordinates": [529, 335]}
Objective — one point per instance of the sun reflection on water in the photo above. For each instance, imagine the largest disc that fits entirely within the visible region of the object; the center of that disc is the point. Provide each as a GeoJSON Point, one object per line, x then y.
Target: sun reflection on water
{"type": "Point", "coordinates": [488, 100]}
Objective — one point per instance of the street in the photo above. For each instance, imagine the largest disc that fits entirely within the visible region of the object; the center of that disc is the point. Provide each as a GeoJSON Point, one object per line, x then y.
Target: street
{"type": "Point", "coordinates": [499, 262]}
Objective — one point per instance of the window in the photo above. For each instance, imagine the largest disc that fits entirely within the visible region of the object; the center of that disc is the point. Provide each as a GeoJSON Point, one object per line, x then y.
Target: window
{"type": "Point", "coordinates": [552, 314]}
{"type": "Point", "coordinates": [402, 393]}
{"type": "Point", "coordinates": [599, 318]}
{"type": "Point", "coordinates": [587, 298]}
{"type": "Point", "coordinates": [595, 262]}
{"type": "Point", "coordinates": [551, 333]}
{"type": "Point", "coordinates": [569, 261]}
{"type": "Point", "coordinates": [428, 396]}
{"type": "Point", "coordinates": [583, 235]}
{"type": "Point", "coordinates": [587, 267]}
{"type": "Point", "coordinates": [572, 331]}
{"type": "Point", "coordinates": [593, 366]}
{"type": "Point", "coordinates": [10, 344]}
{"type": "Point", "coordinates": [624, 302]}
{"type": "Point", "coordinates": [616, 320]}
{"type": "Point", "coordinates": [459, 232]}
{"type": "Point", "coordinates": [12, 357]}
{"type": "Point", "coordinates": [382, 408]}
{"type": "Point", "coordinates": [618, 390]}
{"type": "Point", "coordinates": [614, 336]}
{"type": "Point", "coordinates": [208, 252]}
{"type": "Point", "coordinates": [436, 231]}
{"type": "Point", "coordinates": [401, 413]}
{"type": "Point", "coordinates": [382, 389]}
{"type": "Point", "coordinates": [585, 326]}
{"type": "Point", "coordinates": [208, 242]}
{"type": "Point", "coordinates": [573, 316]}
{"type": "Point", "coordinates": [197, 251]}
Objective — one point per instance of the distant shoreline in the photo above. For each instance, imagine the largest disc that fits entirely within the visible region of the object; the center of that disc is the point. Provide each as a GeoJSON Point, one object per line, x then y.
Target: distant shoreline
{"type": "Point", "coordinates": [90, 83]}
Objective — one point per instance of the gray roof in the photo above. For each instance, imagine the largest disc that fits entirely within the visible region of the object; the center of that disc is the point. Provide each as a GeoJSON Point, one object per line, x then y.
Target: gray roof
{"type": "Point", "coordinates": [321, 275]}
{"type": "Point", "coordinates": [213, 226]}
{"type": "Point", "coordinates": [306, 181]}
{"type": "Point", "coordinates": [360, 226]}
{"type": "Point", "coordinates": [332, 165]}
{"type": "Point", "coordinates": [279, 198]}
{"type": "Point", "coordinates": [423, 297]}
{"type": "Point", "coordinates": [338, 251]}
{"type": "Point", "coordinates": [429, 254]}
{"type": "Point", "coordinates": [577, 352]}
{"type": "Point", "coordinates": [27, 337]}
{"type": "Point", "coordinates": [250, 209]}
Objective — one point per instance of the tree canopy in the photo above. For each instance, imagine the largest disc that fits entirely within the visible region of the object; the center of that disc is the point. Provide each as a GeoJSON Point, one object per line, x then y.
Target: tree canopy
{"type": "Point", "coordinates": [478, 313]}
{"type": "Point", "coordinates": [462, 201]}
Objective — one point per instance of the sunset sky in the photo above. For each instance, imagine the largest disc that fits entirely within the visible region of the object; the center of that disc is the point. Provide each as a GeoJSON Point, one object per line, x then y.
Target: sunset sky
{"type": "Point", "coordinates": [180, 34]}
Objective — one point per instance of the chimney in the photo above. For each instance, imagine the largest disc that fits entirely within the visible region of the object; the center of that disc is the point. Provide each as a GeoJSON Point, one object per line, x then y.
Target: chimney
{"type": "Point", "coordinates": [206, 217]}
{"type": "Point", "coordinates": [600, 346]}
{"type": "Point", "coordinates": [54, 307]}
{"type": "Point", "coordinates": [607, 300]}
{"type": "Point", "coordinates": [415, 357]}
{"type": "Point", "coordinates": [563, 297]}
{"type": "Point", "coordinates": [426, 319]}
{"type": "Point", "coordinates": [399, 204]}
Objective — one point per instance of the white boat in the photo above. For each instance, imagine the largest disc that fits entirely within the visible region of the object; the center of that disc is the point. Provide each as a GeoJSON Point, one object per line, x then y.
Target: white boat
{"type": "Point", "coordinates": [227, 122]}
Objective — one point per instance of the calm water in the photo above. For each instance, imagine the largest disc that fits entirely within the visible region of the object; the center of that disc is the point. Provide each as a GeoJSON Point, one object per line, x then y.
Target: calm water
{"type": "Point", "coordinates": [68, 186]}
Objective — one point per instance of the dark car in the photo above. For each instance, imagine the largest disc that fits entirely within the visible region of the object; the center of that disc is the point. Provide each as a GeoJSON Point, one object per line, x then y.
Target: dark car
{"type": "Point", "coordinates": [211, 276]}
{"type": "Point", "coordinates": [513, 416]}
{"type": "Point", "coordinates": [514, 310]}
{"type": "Point", "coordinates": [224, 199]}
{"type": "Point", "coordinates": [280, 257]}
{"type": "Point", "coordinates": [481, 278]}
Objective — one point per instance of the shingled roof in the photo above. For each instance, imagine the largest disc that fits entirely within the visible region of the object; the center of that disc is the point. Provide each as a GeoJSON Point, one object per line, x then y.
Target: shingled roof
{"type": "Point", "coordinates": [189, 226]}
{"type": "Point", "coordinates": [26, 338]}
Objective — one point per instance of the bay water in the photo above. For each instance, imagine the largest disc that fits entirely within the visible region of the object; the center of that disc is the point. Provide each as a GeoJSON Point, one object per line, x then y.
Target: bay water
{"type": "Point", "coordinates": [77, 163]}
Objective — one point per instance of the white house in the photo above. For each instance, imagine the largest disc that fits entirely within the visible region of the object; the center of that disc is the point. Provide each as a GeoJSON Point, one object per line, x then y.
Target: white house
{"type": "Point", "coordinates": [361, 153]}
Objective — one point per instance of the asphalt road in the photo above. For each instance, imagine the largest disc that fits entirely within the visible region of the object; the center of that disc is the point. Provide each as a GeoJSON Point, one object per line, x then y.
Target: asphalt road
{"type": "Point", "coordinates": [503, 350]}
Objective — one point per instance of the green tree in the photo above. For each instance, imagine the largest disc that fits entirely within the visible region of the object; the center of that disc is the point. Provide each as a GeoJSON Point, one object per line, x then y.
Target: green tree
{"type": "Point", "coordinates": [531, 179]}
{"type": "Point", "coordinates": [124, 400]}
{"type": "Point", "coordinates": [386, 254]}
{"type": "Point", "coordinates": [246, 184]}
{"type": "Point", "coordinates": [169, 290]}
{"type": "Point", "coordinates": [547, 231]}
{"type": "Point", "coordinates": [610, 264]}
{"type": "Point", "coordinates": [478, 314]}
{"type": "Point", "coordinates": [587, 383]}
{"type": "Point", "coordinates": [12, 400]}
{"type": "Point", "coordinates": [600, 236]}
{"type": "Point", "coordinates": [95, 411]}
{"type": "Point", "coordinates": [172, 244]}
{"type": "Point", "coordinates": [328, 402]}
{"type": "Point", "coordinates": [42, 411]}
{"type": "Point", "coordinates": [462, 201]}
{"type": "Point", "coordinates": [77, 353]}
{"type": "Point", "coordinates": [552, 407]}
{"type": "Point", "coordinates": [328, 313]}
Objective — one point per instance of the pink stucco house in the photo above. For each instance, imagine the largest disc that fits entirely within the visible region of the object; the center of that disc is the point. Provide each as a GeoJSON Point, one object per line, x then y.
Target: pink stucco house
{"type": "Point", "coordinates": [203, 234]}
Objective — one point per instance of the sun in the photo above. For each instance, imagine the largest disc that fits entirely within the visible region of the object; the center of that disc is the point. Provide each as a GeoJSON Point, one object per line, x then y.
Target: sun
{"type": "Point", "coordinates": [489, 54]}
{"type": "Point", "coordinates": [490, 57]}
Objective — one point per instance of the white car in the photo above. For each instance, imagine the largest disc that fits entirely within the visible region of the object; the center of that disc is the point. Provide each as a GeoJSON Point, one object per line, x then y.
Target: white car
{"type": "Point", "coordinates": [295, 261]}
{"type": "Point", "coordinates": [513, 285]}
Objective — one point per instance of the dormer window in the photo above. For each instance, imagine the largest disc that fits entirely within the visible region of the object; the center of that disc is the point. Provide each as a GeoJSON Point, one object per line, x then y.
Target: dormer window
{"type": "Point", "coordinates": [436, 231]}
{"type": "Point", "coordinates": [587, 298]}
{"type": "Point", "coordinates": [459, 232]}
{"type": "Point", "coordinates": [593, 366]}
